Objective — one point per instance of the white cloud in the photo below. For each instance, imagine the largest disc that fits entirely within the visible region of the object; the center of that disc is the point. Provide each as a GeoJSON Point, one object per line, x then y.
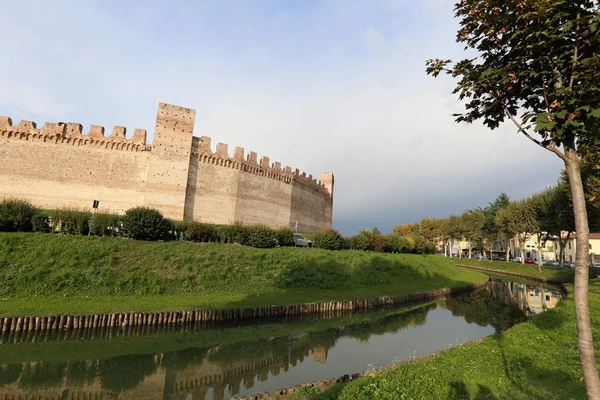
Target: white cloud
{"type": "Point", "coordinates": [374, 119]}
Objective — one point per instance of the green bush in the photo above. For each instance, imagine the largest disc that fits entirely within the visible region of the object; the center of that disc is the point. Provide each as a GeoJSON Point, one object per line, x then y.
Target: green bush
{"type": "Point", "coordinates": [285, 236]}
{"type": "Point", "coordinates": [422, 246]}
{"type": "Point", "coordinates": [363, 241]}
{"type": "Point", "coordinates": [261, 236]}
{"type": "Point", "coordinates": [329, 239]}
{"type": "Point", "coordinates": [16, 215]}
{"type": "Point", "coordinates": [105, 224]}
{"type": "Point", "coordinates": [40, 223]}
{"type": "Point", "coordinates": [144, 223]}
{"type": "Point", "coordinates": [199, 232]}
{"type": "Point", "coordinates": [236, 233]}
{"type": "Point", "coordinates": [398, 244]}
{"type": "Point", "coordinates": [70, 222]}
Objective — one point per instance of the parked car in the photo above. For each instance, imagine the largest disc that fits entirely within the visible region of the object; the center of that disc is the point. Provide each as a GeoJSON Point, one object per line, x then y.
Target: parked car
{"type": "Point", "coordinates": [301, 241]}
{"type": "Point", "coordinates": [516, 259]}
{"type": "Point", "coordinates": [529, 261]}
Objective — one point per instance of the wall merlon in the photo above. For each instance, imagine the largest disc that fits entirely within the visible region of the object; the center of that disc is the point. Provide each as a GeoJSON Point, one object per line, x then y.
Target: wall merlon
{"type": "Point", "coordinates": [204, 145]}
{"type": "Point", "coordinates": [96, 132]}
{"type": "Point", "coordinates": [73, 130]}
{"type": "Point", "coordinates": [5, 123]}
{"type": "Point", "coordinates": [118, 134]}
{"type": "Point", "coordinates": [265, 162]}
{"type": "Point", "coordinates": [222, 151]}
{"type": "Point", "coordinates": [26, 126]}
{"type": "Point", "coordinates": [53, 129]}
{"type": "Point", "coordinates": [238, 155]}
{"type": "Point", "coordinates": [276, 166]}
{"type": "Point", "coordinates": [139, 136]}
{"type": "Point", "coordinates": [251, 160]}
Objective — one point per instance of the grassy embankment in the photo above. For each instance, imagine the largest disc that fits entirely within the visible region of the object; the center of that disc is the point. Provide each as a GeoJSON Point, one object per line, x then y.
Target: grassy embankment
{"type": "Point", "coordinates": [43, 274]}
{"type": "Point", "coordinates": [535, 360]}
{"type": "Point", "coordinates": [561, 274]}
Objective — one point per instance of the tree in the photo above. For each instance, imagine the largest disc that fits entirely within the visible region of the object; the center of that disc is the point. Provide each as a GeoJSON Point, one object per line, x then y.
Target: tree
{"type": "Point", "coordinates": [490, 228]}
{"type": "Point", "coordinates": [538, 205]}
{"type": "Point", "coordinates": [537, 65]}
{"type": "Point", "coordinates": [558, 217]}
{"type": "Point", "coordinates": [507, 222]}
{"type": "Point", "coordinates": [455, 232]}
{"type": "Point", "coordinates": [472, 225]}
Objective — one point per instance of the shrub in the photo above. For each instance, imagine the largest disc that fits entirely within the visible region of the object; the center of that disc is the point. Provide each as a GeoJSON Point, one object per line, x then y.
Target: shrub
{"type": "Point", "coordinates": [70, 222]}
{"type": "Point", "coordinates": [422, 246]}
{"type": "Point", "coordinates": [398, 244]}
{"type": "Point", "coordinates": [144, 223]}
{"type": "Point", "coordinates": [363, 241]}
{"type": "Point", "coordinates": [329, 239]}
{"type": "Point", "coordinates": [16, 215]}
{"type": "Point", "coordinates": [380, 243]}
{"type": "Point", "coordinates": [285, 236]}
{"type": "Point", "coordinates": [179, 229]}
{"type": "Point", "coordinates": [105, 224]}
{"type": "Point", "coordinates": [236, 233]}
{"type": "Point", "coordinates": [40, 223]}
{"type": "Point", "coordinates": [199, 232]}
{"type": "Point", "coordinates": [261, 236]}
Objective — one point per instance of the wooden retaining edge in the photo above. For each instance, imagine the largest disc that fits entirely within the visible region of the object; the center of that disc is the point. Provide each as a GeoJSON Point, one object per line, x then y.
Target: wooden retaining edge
{"type": "Point", "coordinates": [10, 325]}
{"type": "Point", "coordinates": [525, 276]}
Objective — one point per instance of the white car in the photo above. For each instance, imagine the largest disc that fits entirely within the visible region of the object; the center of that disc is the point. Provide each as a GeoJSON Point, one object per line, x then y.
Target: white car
{"type": "Point", "coordinates": [301, 241]}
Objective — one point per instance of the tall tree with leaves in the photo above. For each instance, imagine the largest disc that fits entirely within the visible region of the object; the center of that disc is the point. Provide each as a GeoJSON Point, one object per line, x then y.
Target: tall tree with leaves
{"type": "Point", "coordinates": [472, 225]}
{"type": "Point", "coordinates": [539, 207]}
{"type": "Point", "coordinates": [537, 65]}
{"type": "Point", "coordinates": [560, 217]}
{"type": "Point", "coordinates": [490, 228]}
{"type": "Point", "coordinates": [507, 221]}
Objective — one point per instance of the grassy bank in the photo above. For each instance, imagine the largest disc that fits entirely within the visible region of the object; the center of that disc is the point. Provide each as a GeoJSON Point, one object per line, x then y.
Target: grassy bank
{"type": "Point", "coordinates": [47, 274]}
{"type": "Point", "coordinates": [561, 274]}
{"type": "Point", "coordinates": [534, 360]}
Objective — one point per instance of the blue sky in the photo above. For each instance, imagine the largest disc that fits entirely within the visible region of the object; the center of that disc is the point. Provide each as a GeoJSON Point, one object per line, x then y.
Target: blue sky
{"type": "Point", "coordinates": [318, 85]}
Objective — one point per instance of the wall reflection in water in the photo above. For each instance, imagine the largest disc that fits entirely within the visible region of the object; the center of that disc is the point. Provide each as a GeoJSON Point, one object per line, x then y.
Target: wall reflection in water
{"type": "Point", "coordinates": [245, 359]}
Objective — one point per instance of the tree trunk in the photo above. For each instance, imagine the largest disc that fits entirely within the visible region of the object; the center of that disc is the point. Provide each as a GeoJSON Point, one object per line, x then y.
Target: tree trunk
{"type": "Point", "coordinates": [584, 326]}
{"type": "Point", "coordinates": [561, 252]}
{"type": "Point", "coordinates": [470, 248]}
{"type": "Point", "coordinates": [522, 254]}
{"type": "Point", "coordinates": [507, 252]}
{"type": "Point", "coordinates": [539, 252]}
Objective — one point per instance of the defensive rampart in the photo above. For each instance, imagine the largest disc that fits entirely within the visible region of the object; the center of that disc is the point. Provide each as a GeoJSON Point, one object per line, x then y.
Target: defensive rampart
{"type": "Point", "coordinates": [58, 166]}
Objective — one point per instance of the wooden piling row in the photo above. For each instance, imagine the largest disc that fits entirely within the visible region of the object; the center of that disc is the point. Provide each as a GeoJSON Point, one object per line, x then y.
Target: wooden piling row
{"type": "Point", "coordinates": [81, 323]}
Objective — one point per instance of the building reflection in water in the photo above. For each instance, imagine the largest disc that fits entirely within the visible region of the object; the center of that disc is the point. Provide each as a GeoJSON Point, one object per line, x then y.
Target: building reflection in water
{"type": "Point", "coordinates": [531, 299]}
{"type": "Point", "coordinates": [228, 369]}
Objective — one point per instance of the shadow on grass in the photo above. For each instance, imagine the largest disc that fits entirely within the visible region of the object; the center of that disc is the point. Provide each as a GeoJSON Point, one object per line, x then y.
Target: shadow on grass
{"type": "Point", "coordinates": [458, 390]}
{"type": "Point", "coordinates": [533, 381]}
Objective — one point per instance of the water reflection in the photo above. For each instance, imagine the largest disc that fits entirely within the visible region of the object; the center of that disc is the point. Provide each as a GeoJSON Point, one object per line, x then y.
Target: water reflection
{"type": "Point", "coordinates": [248, 359]}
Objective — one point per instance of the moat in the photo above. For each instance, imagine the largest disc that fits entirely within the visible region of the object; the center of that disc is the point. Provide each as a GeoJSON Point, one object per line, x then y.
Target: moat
{"type": "Point", "coordinates": [223, 361]}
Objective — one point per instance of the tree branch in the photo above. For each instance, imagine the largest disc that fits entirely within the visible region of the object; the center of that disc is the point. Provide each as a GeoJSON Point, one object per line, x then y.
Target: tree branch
{"type": "Point", "coordinates": [551, 147]}
{"type": "Point", "coordinates": [575, 54]}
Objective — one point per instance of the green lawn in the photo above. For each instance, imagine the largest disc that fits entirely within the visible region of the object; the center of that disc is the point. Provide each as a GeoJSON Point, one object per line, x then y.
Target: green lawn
{"type": "Point", "coordinates": [44, 274]}
{"type": "Point", "coordinates": [535, 360]}
{"type": "Point", "coordinates": [562, 274]}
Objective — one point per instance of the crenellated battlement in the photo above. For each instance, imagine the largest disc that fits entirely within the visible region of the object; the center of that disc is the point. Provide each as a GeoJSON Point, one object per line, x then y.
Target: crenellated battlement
{"type": "Point", "coordinates": [201, 147]}
{"type": "Point", "coordinates": [61, 165]}
{"type": "Point", "coordinates": [72, 133]}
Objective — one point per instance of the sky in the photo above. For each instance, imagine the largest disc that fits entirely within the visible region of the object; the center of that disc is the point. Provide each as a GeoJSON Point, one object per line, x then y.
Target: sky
{"type": "Point", "coordinates": [319, 85]}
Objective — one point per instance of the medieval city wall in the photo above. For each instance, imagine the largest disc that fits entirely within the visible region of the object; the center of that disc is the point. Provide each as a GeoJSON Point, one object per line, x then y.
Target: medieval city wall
{"type": "Point", "coordinates": [58, 166]}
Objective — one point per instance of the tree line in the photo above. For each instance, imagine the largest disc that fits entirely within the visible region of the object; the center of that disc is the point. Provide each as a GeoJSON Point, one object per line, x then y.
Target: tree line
{"type": "Point", "coordinates": [543, 216]}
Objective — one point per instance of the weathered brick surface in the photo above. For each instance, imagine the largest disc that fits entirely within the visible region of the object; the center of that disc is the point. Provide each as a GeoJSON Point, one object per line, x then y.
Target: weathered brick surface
{"type": "Point", "coordinates": [58, 166]}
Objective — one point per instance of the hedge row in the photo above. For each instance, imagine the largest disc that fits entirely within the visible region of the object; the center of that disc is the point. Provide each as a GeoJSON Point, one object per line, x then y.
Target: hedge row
{"type": "Point", "coordinates": [143, 223]}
